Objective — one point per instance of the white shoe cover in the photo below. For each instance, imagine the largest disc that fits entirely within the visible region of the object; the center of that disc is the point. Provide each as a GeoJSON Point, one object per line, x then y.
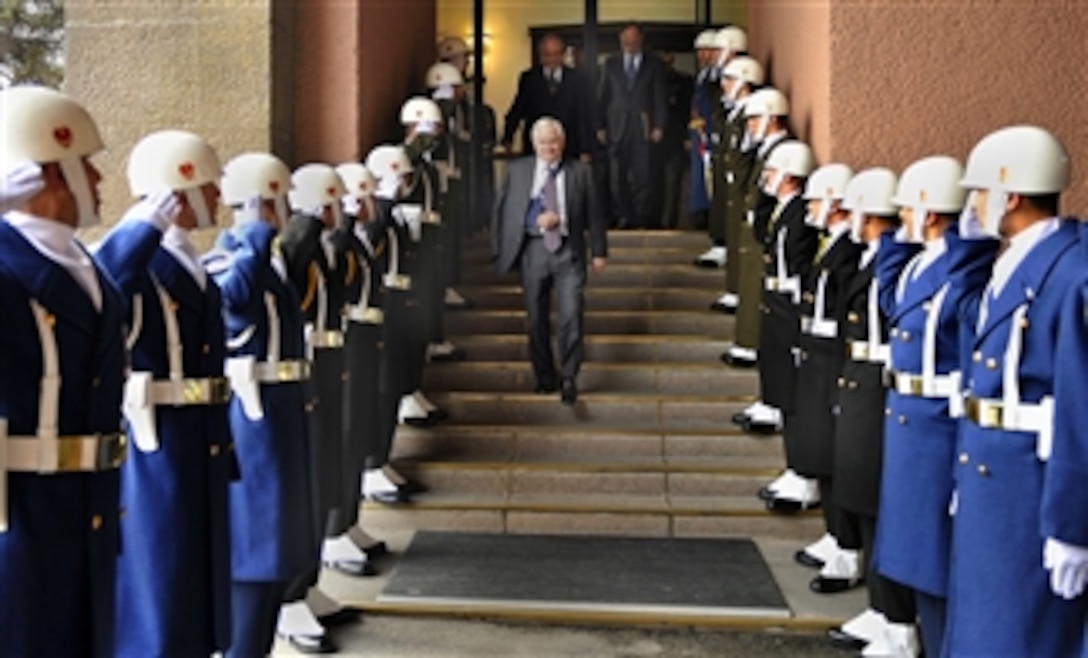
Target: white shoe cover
{"type": "Point", "coordinates": [410, 408]}
{"type": "Point", "coordinates": [729, 300]}
{"type": "Point", "coordinates": [801, 490]}
{"type": "Point", "coordinates": [341, 549]}
{"type": "Point", "coordinates": [824, 549]}
{"type": "Point", "coordinates": [454, 298]}
{"type": "Point", "coordinates": [375, 481]}
{"type": "Point", "coordinates": [297, 619]}
{"type": "Point", "coordinates": [897, 641]}
{"type": "Point", "coordinates": [717, 255]}
{"type": "Point", "coordinates": [868, 626]}
{"type": "Point", "coordinates": [844, 564]}
{"type": "Point", "coordinates": [744, 353]}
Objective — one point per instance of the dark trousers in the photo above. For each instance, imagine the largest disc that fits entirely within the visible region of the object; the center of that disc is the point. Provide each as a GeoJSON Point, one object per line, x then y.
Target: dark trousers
{"type": "Point", "coordinates": [255, 608]}
{"type": "Point", "coordinates": [431, 276]}
{"type": "Point", "coordinates": [362, 428]}
{"type": "Point", "coordinates": [888, 597]}
{"type": "Point", "coordinates": [674, 162]}
{"type": "Point", "coordinates": [540, 272]}
{"type": "Point", "coordinates": [835, 518]}
{"type": "Point", "coordinates": [631, 183]}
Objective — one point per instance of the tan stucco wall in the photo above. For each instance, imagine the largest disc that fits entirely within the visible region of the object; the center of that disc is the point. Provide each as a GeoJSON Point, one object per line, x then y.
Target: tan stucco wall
{"type": "Point", "coordinates": [886, 83]}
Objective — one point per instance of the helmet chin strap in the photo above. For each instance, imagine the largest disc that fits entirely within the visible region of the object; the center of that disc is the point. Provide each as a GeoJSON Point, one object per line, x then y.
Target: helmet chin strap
{"type": "Point", "coordinates": [76, 178]}
{"type": "Point", "coordinates": [918, 225]}
{"type": "Point", "coordinates": [337, 214]}
{"type": "Point", "coordinates": [820, 220]}
{"type": "Point", "coordinates": [280, 204]}
{"type": "Point", "coordinates": [775, 183]}
{"type": "Point", "coordinates": [857, 220]}
{"type": "Point", "coordinates": [764, 124]}
{"type": "Point", "coordinates": [200, 208]}
{"type": "Point", "coordinates": [995, 212]}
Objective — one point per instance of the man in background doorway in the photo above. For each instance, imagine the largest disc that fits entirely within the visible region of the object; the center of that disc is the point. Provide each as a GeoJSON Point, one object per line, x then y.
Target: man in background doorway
{"type": "Point", "coordinates": [634, 106]}
{"type": "Point", "coordinates": [553, 89]}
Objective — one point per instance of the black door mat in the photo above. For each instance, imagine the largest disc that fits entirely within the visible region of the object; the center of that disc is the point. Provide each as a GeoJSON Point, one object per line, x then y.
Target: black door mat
{"type": "Point", "coordinates": [705, 577]}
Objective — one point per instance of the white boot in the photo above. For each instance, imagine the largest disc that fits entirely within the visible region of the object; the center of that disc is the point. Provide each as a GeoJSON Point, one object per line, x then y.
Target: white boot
{"type": "Point", "coordinates": [823, 549]}
{"type": "Point", "coordinates": [766, 415]}
{"type": "Point", "coordinates": [454, 298]}
{"type": "Point", "coordinates": [843, 564]}
{"type": "Point", "coordinates": [897, 641]}
{"type": "Point", "coordinates": [341, 549]}
{"type": "Point", "coordinates": [296, 619]}
{"type": "Point", "coordinates": [802, 491]}
{"type": "Point", "coordinates": [713, 257]}
{"type": "Point", "coordinates": [411, 410]}
{"type": "Point", "coordinates": [728, 300]}
{"type": "Point", "coordinates": [743, 353]}
{"type": "Point", "coordinates": [868, 626]}
{"type": "Point", "coordinates": [375, 481]}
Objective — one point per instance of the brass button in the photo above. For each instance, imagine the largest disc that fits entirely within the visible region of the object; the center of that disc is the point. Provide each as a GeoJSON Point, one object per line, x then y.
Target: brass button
{"type": "Point", "coordinates": [888, 412]}
{"type": "Point", "coordinates": [346, 376]}
{"type": "Point", "coordinates": [842, 382]}
{"type": "Point", "coordinates": [214, 449]}
{"type": "Point", "coordinates": [207, 348]}
{"type": "Point", "coordinates": [380, 345]}
{"type": "Point", "coordinates": [853, 386]}
{"type": "Point", "coordinates": [122, 512]}
{"type": "Point", "coordinates": [977, 357]}
{"type": "Point", "coordinates": [991, 364]}
{"type": "Point", "coordinates": [766, 259]}
{"type": "Point", "coordinates": [853, 317]}
{"type": "Point", "coordinates": [310, 406]}
{"type": "Point", "coordinates": [1024, 323]}
{"type": "Point", "coordinates": [965, 459]}
{"type": "Point", "coordinates": [905, 336]}
{"type": "Point", "coordinates": [96, 522]}
{"type": "Point", "coordinates": [983, 470]}
{"type": "Point", "coordinates": [96, 382]}
{"type": "Point", "coordinates": [808, 297]}
{"type": "Point", "coordinates": [902, 420]}
{"type": "Point", "coordinates": [895, 332]}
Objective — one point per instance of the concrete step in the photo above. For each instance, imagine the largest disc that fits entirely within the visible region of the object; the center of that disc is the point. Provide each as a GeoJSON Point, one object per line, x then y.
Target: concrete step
{"type": "Point", "coordinates": [599, 298]}
{"type": "Point", "coordinates": [667, 379]}
{"type": "Point", "coordinates": [600, 514]}
{"type": "Point", "coordinates": [594, 410]}
{"type": "Point", "coordinates": [620, 274]}
{"type": "Point", "coordinates": [628, 447]}
{"type": "Point", "coordinates": [632, 348]}
{"type": "Point", "coordinates": [701, 323]}
{"type": "Point", "coordinates": [665, 253]}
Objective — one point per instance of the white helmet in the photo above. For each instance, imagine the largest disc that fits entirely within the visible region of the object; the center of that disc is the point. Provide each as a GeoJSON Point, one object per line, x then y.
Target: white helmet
{"type": "Point", "coordinates": [707, 40]}
{"type": "Point", "coordinates": [42, 125]}
{"type": "Point", "coordinates": [733, 39]}
{"type": "Point", "coordinates": [869, 193]}
{"type": "Point", "coordinates": [767, 102]}
{"type": "Point", "coordinates": [746, 70]}
{"type": "Point", "coordinates": [315, 186]}
{"type": "Point", "coordinates": [930, 185]}
{"type": "Point", "coordinates": [451, 47]}
{"type": "Point", "coordinates": [260, 175]}
{"type": "Point", "coordinates": [791, 157]}
{"type": "Point", "coordinates": [1018, 160]}
{"type": "Point", "coordinates": [420, 110]}
{"type": "Point", "coordinates": [175, 160]}
{"type": "Point", "coordinates": [358, 181]}
{"type": "Point", "coordinates": [828, 182]}
{"type": "Point", "coordinates": [388, 160]}
{"type": "Point", "coordinates": [444, 74]}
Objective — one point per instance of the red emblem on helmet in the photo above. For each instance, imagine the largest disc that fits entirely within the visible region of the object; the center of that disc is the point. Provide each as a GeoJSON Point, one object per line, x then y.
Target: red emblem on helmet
{"type": "Point", "coordinates": [394, 166]}
{"type": "Point", "coordinates": [274, 186]}
{"type": "Point", "coordinates": [331, 191]}
{"type": "Point", "coordinates": [187, 170]}
{"type": "Point", "coordinates": [63, 135]}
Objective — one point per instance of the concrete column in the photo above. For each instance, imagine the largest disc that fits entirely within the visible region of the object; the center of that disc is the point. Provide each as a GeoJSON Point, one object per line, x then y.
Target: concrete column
{"type": "Point", "coordinates": [885, 83]}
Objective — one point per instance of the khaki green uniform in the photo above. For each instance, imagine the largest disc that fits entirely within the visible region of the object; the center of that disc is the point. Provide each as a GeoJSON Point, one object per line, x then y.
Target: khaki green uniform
{"type": "Point", "coordinates": [735, 166]}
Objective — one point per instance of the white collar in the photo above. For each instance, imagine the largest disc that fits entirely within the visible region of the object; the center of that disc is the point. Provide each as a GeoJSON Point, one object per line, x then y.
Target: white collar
{"type": "Point", "coordinates": [867, 256]}
{"type": "Point", "coordinates": [52, 235]}
{"type": "Point", "coordinates": [1020, 245]}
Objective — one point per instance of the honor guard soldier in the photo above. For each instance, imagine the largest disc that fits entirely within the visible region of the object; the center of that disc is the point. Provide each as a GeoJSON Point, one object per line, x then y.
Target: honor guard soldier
{"type": "Point", "coordinates": [62, 358]}
{"type": "Point", "coordinates": [703, 140]}
{"type": "Point", "coordinates": [1012, 526]}
{"type": "Point", "coordinates": [393, 170]}
{"type": "Point", "coordinates": [272, 511]}
{"type": "Point", "coordinates": [859, 424]}
{"type": "Point", "coordinates": [922, 291]}
{"type": "Point", "coordinates": [348, 545]}
{"type": "Point", "coordinates": [314, 252]}
{"type": "Point", "coordinates": [810, 429]}
{"type": "Point", "coordinates": [739, 79]}
{"type": "Point", "coordinates": [765, 115]}
{"type": "Point", "coordinates": [446, 83]}
{"type": "Point", "coordinates": [728, 44]}
{"type": "Point", "coordinates": [175, 482]}
{"type": "Point", "coordinates": [422, 206]}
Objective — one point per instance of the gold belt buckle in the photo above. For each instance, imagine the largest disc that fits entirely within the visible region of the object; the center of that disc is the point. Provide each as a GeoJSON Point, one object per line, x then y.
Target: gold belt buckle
{"type": "Point", "coordinates": [987, 414]}
{"type": "Point", "coordinates": [112, 450]}
{"type": "Point", "coordinates": [195, 391]}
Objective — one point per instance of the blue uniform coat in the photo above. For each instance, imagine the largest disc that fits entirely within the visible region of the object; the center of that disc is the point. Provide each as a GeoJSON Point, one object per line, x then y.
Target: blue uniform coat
{"type": "Point", "coordinates": [57, 559]}
{"type": "Point", "coordinates": [271, 509]}
{"type": "Point", "coordinates": [173, 581]}
{"type": "Point", "coordinates": [1000, 601]}
{"type": "Point", "coordinates": [914, 532]}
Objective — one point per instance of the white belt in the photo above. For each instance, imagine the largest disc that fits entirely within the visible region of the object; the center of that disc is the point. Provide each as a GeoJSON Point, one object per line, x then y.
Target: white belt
{"type": "Point", "coordinates": [1020, 417]}
{"type": "Point", "coordinates": [940, 386]}
{"type": "Point", "coordinates": [187, 392]}
{"type": "Point", "coordinates": [819, 328]}
{"type": "Point", "coordinates": [366, 314]}
{"type": "Point", "coordinates": [326, 339]}
{"type": "Point", "coordinates": [281, 372]}
{"type": "Point", "coordinates": [786, 285]}
{"type": "Point", "coordinates": [74, 454]}
{"type": "Point", "coordinates": [397, 281]}
{"type": "Point", "coordinates": [860, 350]}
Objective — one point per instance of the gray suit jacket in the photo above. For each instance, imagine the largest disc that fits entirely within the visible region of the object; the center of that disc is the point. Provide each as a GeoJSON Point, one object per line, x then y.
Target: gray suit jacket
{"type": "Point", "coordinates": [583, 213]}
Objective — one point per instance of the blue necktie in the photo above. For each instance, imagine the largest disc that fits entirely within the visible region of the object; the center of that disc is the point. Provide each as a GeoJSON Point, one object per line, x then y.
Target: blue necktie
{"type": "Point", "coordinates": [550, 196]}
{"type": "Point", "coordinates": [631, 69]}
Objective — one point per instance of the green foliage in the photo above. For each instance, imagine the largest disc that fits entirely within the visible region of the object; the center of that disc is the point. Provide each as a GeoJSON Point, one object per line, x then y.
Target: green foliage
{"type": "Point", "coordinates": [31, 42]}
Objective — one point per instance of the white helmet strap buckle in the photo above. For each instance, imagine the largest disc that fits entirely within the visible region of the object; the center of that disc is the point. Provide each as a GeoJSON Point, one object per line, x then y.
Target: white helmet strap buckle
{"type": "Point", "coordinates": [918, 225]}
{"type": "Point", "coordinates": [857, 220]}
{"type": "Point", "coordinates": [281, 209]}
{"type": "Point", "coordinates": [200, 208]}
{"type": "Point", "coordinates": [76, 178]}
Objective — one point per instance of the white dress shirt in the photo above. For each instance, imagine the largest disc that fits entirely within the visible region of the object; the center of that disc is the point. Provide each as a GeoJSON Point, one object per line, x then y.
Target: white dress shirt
{"type": "Point", "coordinates": [932, 251]}
{"type": "Point", "coordinates": [176, 242]}
{"type": "Point", "coordinates": [1020, 245]}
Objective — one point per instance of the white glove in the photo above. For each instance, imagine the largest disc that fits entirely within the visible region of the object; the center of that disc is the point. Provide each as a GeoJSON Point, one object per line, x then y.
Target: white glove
{"type": "Point", "coordinates": [250, 211]}
{"type": "Point", "coordinates": [19, 184]}
{"type": "Point", "coordinates": [159, 209]}
{"type": "Point", "coordinates": [1068, 566]}
{"type": "Point", "coordinates": [902, 235]}
{"type": "Point", "coordinates": [443, 93]}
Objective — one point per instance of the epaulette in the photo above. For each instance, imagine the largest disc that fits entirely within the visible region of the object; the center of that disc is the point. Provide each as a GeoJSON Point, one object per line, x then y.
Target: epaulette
{"type": "Point", "coordinates": [216, 261]}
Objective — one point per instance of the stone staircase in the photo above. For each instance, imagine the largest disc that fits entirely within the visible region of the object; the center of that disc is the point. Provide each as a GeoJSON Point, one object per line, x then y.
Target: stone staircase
{"type": "Point", "coordinates": [649, 450]}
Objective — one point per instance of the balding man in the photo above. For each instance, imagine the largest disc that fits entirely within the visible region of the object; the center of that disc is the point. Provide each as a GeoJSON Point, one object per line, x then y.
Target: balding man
{"type": "Point", "coordinates": [544, 210]}
{"type": "Point", "coordinates": [554, 90]}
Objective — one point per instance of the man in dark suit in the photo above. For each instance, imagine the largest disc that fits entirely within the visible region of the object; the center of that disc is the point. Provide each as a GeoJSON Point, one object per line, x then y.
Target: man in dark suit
{"type": "Point", "coordinates": [545, 207]}
{"type": "Point", "coordinates": [554, 90]}
{"type": "Point", "coordinates": [633, 99]}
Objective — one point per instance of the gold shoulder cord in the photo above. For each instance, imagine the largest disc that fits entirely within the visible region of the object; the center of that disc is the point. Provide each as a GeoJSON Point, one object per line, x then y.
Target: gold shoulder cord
{"type": "Point", "coordinates": [311, 287]}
